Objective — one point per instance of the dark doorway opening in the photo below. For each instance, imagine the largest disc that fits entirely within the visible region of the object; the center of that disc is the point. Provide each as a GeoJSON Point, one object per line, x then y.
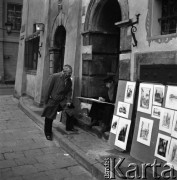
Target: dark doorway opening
{"type": "Point", "coordinates": [104, 37]}
{"type": "Point", "coordinates": [159, 73]}
{"type": "Point", "coordinates": [59, 50]}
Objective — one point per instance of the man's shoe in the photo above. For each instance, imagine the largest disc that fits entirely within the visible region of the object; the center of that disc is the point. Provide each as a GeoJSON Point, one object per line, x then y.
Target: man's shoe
{"type": "Point", "coordinates": [49, 137]}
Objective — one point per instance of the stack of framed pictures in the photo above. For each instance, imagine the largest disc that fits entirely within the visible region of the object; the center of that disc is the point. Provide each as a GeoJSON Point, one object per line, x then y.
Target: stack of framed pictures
{"type": "Point", "coordinates": [155, 133]}
{"type": "Point", "coordinates": [121, 121]}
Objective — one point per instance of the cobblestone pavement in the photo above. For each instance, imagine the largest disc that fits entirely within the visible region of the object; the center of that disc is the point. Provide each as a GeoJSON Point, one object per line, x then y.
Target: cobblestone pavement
{"type": "Point", "coordinates": [26, 154]}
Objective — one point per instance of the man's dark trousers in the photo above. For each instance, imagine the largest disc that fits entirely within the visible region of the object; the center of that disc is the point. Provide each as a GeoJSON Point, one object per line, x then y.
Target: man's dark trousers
{"type": "Point", "coordinates": [48, 126]}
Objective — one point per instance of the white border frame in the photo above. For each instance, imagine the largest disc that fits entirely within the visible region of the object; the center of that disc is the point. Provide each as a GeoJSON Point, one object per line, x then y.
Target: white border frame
{"type": "Point", "coordinates": [172, 144]}
{"type": "Point", "coordinates": [160, 109]}
{"type": "Point", "coordinates": [168, 104]}
{"type": "Point", "coordinates": [114, 119]}
{"type": "Point", "coordinates": [139, 139]}
{"type": "Point", "coordinates": [127, 106]}
{"type": "Point", "coordinates": [130, 100]}
{"type": "Point", "coordinates": [122, 122]}
{"type": "Point", "coordinates": [163, 91]}
{"type": "Point", "coordinates": [162, 128]}
{"type": "Point", "coordinates": [141, 109]}
{"type": "Point", "coordinates": [173, 132]}
{"type": "Point", "coordinates": [167, 138]}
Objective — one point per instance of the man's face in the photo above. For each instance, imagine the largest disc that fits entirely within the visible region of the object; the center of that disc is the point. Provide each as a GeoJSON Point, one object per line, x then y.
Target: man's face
{"type": "Point", "coordinates": [67, 73]}
{"type": "Point", "coordinates": [108, 84]}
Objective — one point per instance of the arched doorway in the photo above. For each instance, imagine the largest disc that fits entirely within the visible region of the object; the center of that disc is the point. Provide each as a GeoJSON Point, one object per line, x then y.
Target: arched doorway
{"type": "Point", "coordinates": [104, 38]}
{"type": "Point", "coordinates": [59, 48]}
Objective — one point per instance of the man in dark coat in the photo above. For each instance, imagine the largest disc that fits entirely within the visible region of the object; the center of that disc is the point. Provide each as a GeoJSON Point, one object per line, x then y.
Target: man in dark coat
{"type": "Point", "coordinates": [58, 98]}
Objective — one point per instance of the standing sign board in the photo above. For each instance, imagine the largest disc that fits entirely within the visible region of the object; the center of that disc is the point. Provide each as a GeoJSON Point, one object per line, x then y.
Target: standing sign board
{"type": "Point", "coordinates": [122, 118]}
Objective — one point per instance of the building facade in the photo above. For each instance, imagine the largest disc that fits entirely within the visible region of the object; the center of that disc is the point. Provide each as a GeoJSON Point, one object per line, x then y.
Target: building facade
{"type": "Point", "coordinates": [10, 11]}
{"type": "Point", "coordinates": [133, 39]}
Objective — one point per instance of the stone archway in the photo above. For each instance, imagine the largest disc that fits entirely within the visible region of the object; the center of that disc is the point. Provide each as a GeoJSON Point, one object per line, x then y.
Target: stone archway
{"type": "Point", "coordinates": [103, 36]}
{"type": "Point", "coordinates": [57, 43]}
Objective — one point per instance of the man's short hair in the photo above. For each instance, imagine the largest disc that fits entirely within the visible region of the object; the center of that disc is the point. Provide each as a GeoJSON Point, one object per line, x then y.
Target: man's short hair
{"type": "Point", "coordinates": [66, 67]}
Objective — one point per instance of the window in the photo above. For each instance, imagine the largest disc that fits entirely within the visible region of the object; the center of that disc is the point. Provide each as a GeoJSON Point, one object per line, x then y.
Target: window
{"type": "Point", "coordinates": [31, 53]}
{"type": "Point", "coordinates": [161, 20]}
{"type": "Point", "coordinates": [14, 13]}
{"type": "Point", "coordinates": [169, 17]}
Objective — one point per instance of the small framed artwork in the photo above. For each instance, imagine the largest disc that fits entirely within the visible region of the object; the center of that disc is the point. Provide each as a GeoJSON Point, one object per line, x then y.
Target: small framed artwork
{"type": "Point", "coordinates": [122, 133]}
{"type": "Point", "coordinates": [145, 131]}
{"type": "Point", "coordinates": [145, 98]}
{"type": "Point", "coordinates": [123, 109]}
{"type": "Point", "coordinates": [171, 97]}
{"type": "Point", "coordinates": [172, 155]}
{"type": "Point", "coordinates": [156, 111]}
{"type": "Point", "coordinates": [129, 92]}
{"type": "Point", "coordinates": [114, 124]}
{"type": "Point", "coordinates": [158, 95]}
{"type": "Point", "coordinates": [166, 120]}
{"type": "Point", "coordinates": [162, 146]}
{"type": "Point", "coordinates": [174, 126]}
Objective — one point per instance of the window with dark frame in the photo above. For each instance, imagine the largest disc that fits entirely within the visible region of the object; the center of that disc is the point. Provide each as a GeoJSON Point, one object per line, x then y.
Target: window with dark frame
{"type": "Point", "coordinates": [31, 53]}
{"type": "Point", "coordinates": [168, 19]}
{"type": "Point", "coordinates": [14, 13]}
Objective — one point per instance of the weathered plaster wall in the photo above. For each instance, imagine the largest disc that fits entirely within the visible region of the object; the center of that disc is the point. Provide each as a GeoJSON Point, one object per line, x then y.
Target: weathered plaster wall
{"type": "Point", "coordinates": [30, 84]}
{"type": "Point", "coordinates": [164, 43]}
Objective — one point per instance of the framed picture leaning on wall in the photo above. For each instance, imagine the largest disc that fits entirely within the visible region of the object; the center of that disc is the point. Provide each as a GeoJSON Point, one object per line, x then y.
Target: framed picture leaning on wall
{"type": "Point", "coordinates": [123, 109]}
{"type": "Point", "coordinates": [158, 95]}
{"type": "Point", "coordinates": [172, 155]}
{"type": "Point", "coordinates": [129, 92]}
{"type": "Point", "coordinates": [171, 98]}
{"type": "Point", "coordinates": [145, 131]}
{"type": "Point", "coordinates": [166, 120]}
{"type": "Point", "coordinates": [122, 133]}
{"type": "Point", "coordinates": [162, 146]}
{"type": "Point", "coordinates": [174, 126]}
{"type": "Point", "coordinates": [114, 124]}
{"type": "Point", "coordinates": [145, 98]}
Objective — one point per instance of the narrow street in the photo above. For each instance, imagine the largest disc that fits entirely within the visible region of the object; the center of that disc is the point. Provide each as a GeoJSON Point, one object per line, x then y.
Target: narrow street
{"type": "Point", "coordinates": [26, 154]}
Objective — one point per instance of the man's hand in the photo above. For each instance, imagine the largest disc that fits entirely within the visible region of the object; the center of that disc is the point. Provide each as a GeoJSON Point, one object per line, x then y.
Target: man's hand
{"type": "Point", "coordinates": [68, 104]}
{"type": "Point", "coordinates": [101, 99]}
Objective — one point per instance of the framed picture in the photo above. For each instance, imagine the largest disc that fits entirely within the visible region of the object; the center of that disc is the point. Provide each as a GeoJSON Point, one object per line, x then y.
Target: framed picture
{"type": "Point", "coordinates": [171, 97]}
{"type": "Point", "coordinates": [145, 98]}
{"type": "Point", "coordinates": [129, 92]}
{"type": "Point", "coordinates": [123, 109]}
{"type": "Point", "coordinates": [156, 112]}
{"type": "Point", "coordinates": [115, 121]}
{"type": "Point", "coordinates": [162, 146]}
{"type": "Point", "coordinates": [158, 95]}
{"type": "Point", "coordinates": [166, 120]}
{"type": "Point", "coordinates": [145, 131]}
{"type": "Point", "coordinates": [122, 133]}
{"type": "Point", "coordinates": [174, 126]}
{"type": "Point", "coordinates": [172, 155]}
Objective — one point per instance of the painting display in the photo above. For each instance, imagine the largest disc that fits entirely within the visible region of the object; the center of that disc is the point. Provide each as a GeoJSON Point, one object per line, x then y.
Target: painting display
{"type": "Point", "coordinates": [123, 109]}
{"type": "Point", "coordinates": [156, 112]}
{"type": "Point", "coordinates": [162, 146]}
{"type": "Point", "coordinates": [122, 133]}
{"type": "Point", "coordinates": [145, 98]}
{"type": "Point", "coordinates": [158, 95]}
{"type": "Point", "coordinates": [145, 131]}
{"type": "Point", "coordinates": [171, 97]}
{"type": "Point", "coordinates": [172, 155]}
{"type": "Point", "coordinates": [129, 92]}
{"type": "Point", "coordinates": [115, 121]}
{"type": "Point", "coordinates": [166, 120]}
{"type": "Point", "coordinates": [174, 126]}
